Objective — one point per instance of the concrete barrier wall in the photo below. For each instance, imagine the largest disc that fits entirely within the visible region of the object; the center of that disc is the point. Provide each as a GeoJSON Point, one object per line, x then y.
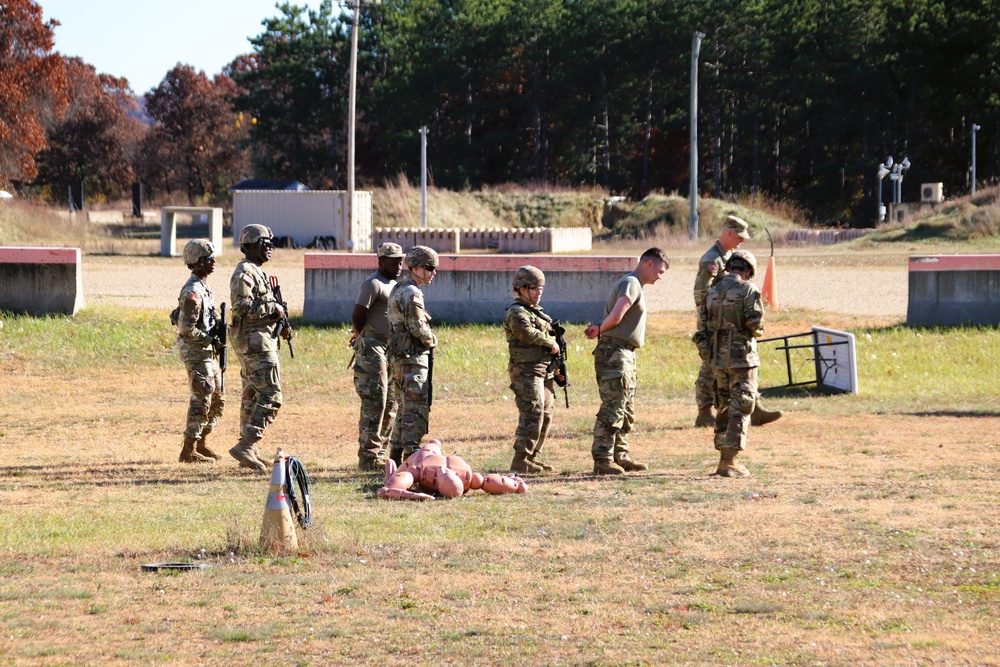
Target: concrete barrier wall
{"type": "Point", "coordinates": [440, 239]}
{"type": "Point", "coordinates": [825, 236]}
{"type": "Point", "coordinates": [469, 288]}
{"type": "Point", "coordinates": [506, 240]}
{"type": "Point", "coordinates": [41, 281]}
{"type": "Point", "coordinates": [954, 290]}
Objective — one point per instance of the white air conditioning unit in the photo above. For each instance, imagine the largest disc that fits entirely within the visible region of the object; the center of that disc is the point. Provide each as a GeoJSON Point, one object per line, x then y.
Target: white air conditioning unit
{"type": "Point", "coordinates": [932, 193]}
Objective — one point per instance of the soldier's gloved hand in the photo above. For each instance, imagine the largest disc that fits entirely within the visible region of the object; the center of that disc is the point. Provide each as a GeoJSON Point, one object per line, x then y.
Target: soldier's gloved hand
{"type": "Point", "coordinates": [554, 349]}
{"type": "Point", "coordinates": [434, 341]}
{"type": "Point", "coordinates": [279, 311]}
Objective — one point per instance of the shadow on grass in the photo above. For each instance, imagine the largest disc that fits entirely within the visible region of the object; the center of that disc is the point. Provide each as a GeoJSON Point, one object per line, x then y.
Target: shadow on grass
{"type": "Point", "coordinates": [954, 413]}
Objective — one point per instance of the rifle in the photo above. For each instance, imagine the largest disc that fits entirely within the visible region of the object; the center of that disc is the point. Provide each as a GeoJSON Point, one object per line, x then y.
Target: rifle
{"type": "Point", "coordinates": [558, 363]}
{"type": "Point", "coordinates": [283, 323]}
{"type": "Point", "coordinates": [221, 348]}
{"type": "Point", "coordinates": [430, 378]}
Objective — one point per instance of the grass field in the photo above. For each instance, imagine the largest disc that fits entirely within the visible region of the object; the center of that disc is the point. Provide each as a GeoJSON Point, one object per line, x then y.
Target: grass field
{"type": "Point", "coordinates": [866, 536]}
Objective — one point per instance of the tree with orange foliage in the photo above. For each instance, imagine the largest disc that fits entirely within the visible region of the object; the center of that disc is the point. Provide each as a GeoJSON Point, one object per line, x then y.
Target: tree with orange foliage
{"type": "Point", "coordinates": [32, 86]}
{"type": "Point", "coordinates": [194, 142]}
{"type": "Point", "coordinates": [97, 139]}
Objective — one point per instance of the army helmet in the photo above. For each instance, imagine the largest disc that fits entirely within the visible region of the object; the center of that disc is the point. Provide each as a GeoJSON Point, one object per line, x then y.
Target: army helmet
{"type": "Point", "coordinates": [254, 233]}
{"type": "Point", "coordinates": [745, 256]}
{"type": "Point", "coordinates": [528, 276]}
{"type": "Point", "coordinates": [197, 249]}
{"type": "Point", "coordinates": [421, 255]}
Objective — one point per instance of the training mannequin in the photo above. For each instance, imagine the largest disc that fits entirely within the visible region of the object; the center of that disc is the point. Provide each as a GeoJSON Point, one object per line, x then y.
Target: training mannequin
{"type": "Point", "coordinates": [449, 476]}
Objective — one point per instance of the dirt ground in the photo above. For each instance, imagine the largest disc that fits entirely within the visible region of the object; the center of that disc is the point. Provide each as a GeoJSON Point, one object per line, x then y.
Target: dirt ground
{"type": "Point", "coordinates": [861, 284]}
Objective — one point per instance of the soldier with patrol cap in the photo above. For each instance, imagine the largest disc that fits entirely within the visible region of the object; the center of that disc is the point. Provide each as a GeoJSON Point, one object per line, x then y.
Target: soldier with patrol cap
{"type": "Point", "coordinates": [733, 315]}
{"type": "Point", "coordinates": [372, 370]}
{"type": "Point", "coordinates": [410, 343]}
{"type": "Point", "coordinates": [712, 269]}
{"type": "Point", "coordinates": [197, 320]}
{"type": "Point", "coordinates": [254, 335]}
{"type": "Point", "coordinates": [531, 342]}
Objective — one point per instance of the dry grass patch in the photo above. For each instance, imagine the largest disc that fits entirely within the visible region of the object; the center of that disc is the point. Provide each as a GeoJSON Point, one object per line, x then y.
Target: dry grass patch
{"type": "Point", "coordinates": [867, 535]}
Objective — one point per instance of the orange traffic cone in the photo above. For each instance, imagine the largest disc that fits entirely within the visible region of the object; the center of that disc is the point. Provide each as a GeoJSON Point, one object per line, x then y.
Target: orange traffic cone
{"type": "Point", "coordinates": [277, 534]}
{"type": "Point", "coordinates": [770, 290]}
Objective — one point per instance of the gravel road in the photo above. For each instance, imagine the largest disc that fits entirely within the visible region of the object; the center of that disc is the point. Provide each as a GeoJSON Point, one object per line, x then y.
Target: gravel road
{"type": "Point", "coordinates": [858, 287]}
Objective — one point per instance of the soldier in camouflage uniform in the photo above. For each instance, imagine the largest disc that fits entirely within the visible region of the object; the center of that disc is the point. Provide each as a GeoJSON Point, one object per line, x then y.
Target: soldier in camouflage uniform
{"type": "Point", "coordinates": [733, 316]}
{"type": "Point", "coordinates": [197, 320]}
{"type": "Point", "coordinates": [256, 315]}
{"type": "Point", "coordinates": [712, 269]}
{"type": "Point", "coordinates": [532, 344]}
{"type": "Point", "coordinates": [410, 343]}
{"type": "Point", "coordinates": [620, 334]}
{"type": "Point", "coordinates": [372, 370]}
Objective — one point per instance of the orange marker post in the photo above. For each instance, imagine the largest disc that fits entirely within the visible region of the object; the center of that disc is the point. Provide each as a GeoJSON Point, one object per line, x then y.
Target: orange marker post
{"type": "Point", "coordinates": [770, 289]}
{"type": "Point", "coordinates": [277, 534]}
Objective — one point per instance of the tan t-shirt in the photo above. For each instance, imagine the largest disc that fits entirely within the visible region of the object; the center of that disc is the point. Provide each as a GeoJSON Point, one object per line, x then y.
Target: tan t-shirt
{"type": "Point", "coordinates": [632, 328]}
{"type": "Point", "coordinates": [374, 295]}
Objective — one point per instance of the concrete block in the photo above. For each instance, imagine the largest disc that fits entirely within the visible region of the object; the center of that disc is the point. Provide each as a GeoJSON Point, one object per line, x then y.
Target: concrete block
{"type": "Point", "coordinates": [471, 288]}
{"type": "Point", "coordinates": [168, 227]}
{"type": "Point", "coordinates": [949, 290]}
{"type": "Point", "coordinates": [41, 281]}
{"type": "Point", "coordinates": [105, 217]}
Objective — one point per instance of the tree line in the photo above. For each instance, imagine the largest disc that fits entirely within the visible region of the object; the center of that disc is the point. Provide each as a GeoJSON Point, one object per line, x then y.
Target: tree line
{"type": "Point", "coordinates": [798, 99]}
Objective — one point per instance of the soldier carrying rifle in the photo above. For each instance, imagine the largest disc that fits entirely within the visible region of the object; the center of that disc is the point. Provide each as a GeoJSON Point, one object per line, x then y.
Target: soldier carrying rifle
{"type": "Point", "coordinates": [201, 344]}
{"type": "Point", "coordinates": [259, 318]}
{"type": "Point", "coordinates": [533, 368]}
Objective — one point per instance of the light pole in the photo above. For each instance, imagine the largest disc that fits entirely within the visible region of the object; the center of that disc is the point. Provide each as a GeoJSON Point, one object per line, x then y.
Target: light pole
{"type": "Point", "coordinates": [355, 6]}
{"type": "Point", "coordinates": [903, 166]}
{"type": "Point", "coordinates": [693, 194]}
{"type": "Point", "coordinates": [423, 177]}
{"type": "Point", "coordinates": [896, 176]}
{"type": "Point", "coordinates": [974, 129]}
{"type": "Point", "coordinates": [882, 172]}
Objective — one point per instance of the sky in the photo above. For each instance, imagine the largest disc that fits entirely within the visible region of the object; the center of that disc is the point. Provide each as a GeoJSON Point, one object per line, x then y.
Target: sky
{"type": "Point", "coordinates": [143, 40]}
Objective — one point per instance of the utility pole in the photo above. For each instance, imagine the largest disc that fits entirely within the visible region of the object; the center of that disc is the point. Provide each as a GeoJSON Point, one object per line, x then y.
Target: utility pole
{"type": "Point", "coordinates": [355, 6]}
{"type": "Point", "coordinates": [693, 216]}
{"type": "Point", "coordinates": [423, 177]}
{"type": "Point", "coordinates": [975, 128]}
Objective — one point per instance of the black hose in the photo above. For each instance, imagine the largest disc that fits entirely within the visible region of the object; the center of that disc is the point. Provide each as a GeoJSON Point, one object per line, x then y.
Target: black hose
{"type": "Point", "coordinates": [297, 475]}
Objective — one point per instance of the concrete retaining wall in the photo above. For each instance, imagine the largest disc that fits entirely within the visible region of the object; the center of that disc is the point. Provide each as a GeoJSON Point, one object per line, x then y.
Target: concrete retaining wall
{"type": "Point", "coordinates": [954, 290]}
{"type": "Point", "coordinates": [825, 236]}
{"type": "Point", "coordinates": [469, 288]}
{"type": "Point", "coordinates": [41, 281]}
{"type": "Point", "coordinates": [506, 240]}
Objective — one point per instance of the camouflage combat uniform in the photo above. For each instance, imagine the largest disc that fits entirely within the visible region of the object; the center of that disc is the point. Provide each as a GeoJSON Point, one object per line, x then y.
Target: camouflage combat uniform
{"type": "Point", "coordinates": [373, 371]}
{"type": "Point", "coordinates": [410, 342]}
{"type": "Point", "coordinates": [614, 364]}
{"type": "Point", "coordinates": [254, 339]}
{"type": "Point", "coordinates": [711, 269]}
{"type": "Point", "coordinates": [197, 317]}
{"type": "Point", "coordinates": [530, 339]}
{"type": "Point", "coordinates": [733, 315]}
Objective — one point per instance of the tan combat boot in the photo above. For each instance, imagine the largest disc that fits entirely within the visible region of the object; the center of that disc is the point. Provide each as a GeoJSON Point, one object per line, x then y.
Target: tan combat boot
{"type": "Point", "coordinates": [245, 454]}
{"type": "Point", "coordinates": [705, 418]}
{"type": "Point", "coordinates": [371, 465]}
{"type": "Point", "coordinates": [522, 464]}
{"type": "Point", "coordinates": [203, 449]}
{"type": "Point", "coordinates": [546, 468]}
{"type": "Point", "coordinates": [606, 467]}
{"type": "Point", "coordinates": [761, 416]}
{"type": "Point", "coordinates": [188, 455]}
{"type": "Point", "coordinates": [628, 465]}
{"type": "Point", "coordinates": [728, 466]}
